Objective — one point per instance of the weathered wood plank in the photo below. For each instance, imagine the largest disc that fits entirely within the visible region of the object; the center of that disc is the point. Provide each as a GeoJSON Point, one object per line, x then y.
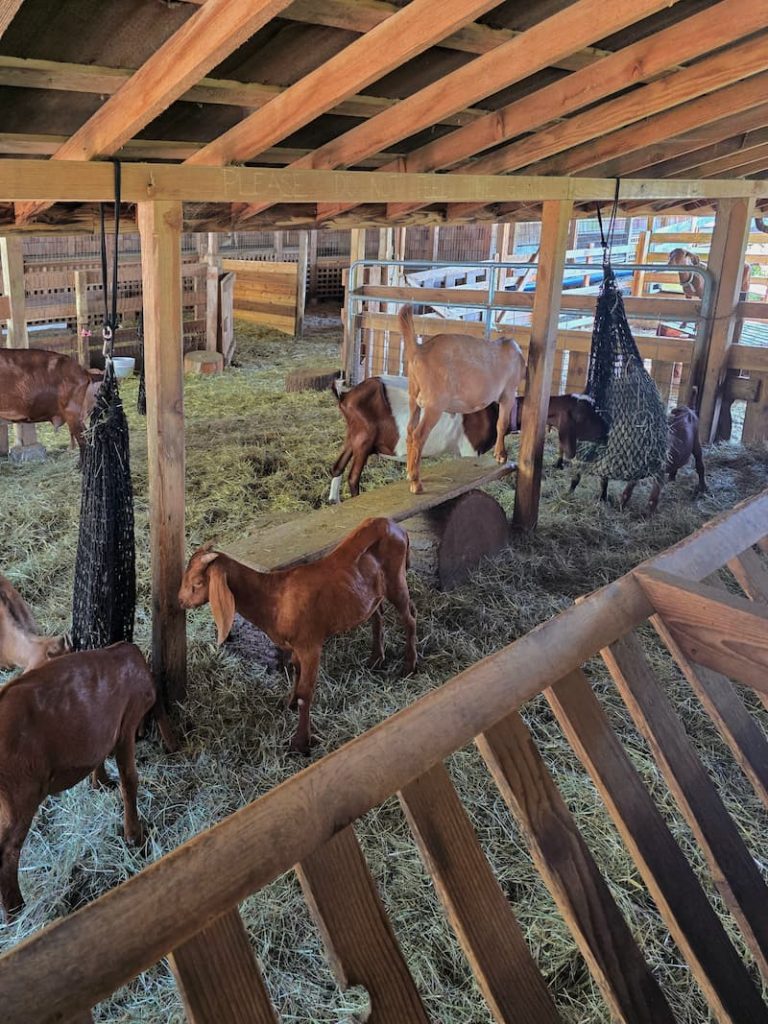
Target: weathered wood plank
{"type": "Point", "coordinates": [302, 539]}
{"type": "Point", "coordinates": [714, 628]}
{"type": "Point", "coordinates": [475, 903]}
{"type": "Point", "coordinates": [751, 575]}
{"type": "Point", "coordinates": [692, 922]}
{"type": "Point", "coordinates": [572, 876]}
{"type": "Point", "coordinates": [724, 706]}
{"type": "Point", "coordinates": [160, 230]}
{"type": "Point", "coordinates": [733, 869]}
{"type": "Point", "coordinates": [218, 976]}
{"type": "Point", "coordinates": [361, 946]}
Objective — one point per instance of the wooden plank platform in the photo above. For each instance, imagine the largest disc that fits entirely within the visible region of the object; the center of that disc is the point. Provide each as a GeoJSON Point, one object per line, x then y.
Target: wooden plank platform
{"type": "Point", "coordinates": [302, 540]}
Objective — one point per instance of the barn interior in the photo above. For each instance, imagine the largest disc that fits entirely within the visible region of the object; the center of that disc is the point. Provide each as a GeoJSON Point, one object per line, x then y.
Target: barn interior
{"type": "Point", "coordinates": [378, 116]}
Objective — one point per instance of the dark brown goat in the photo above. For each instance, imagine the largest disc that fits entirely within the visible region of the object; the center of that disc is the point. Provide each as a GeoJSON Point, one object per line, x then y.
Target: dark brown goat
{"type": "Point", "coordinates": [682, 444]}
{"type": "Point", "coordinates": [299, 608]}
{"type": "Point", "coordinates": [377, 413]}
{"type": "Point", "coordinates": [57, 724]}
{"type": "Point", "coordinates": [37, 386]}
{"type": "Point", "coordinates": [575, 419]}
{"type": "Point", "coordinates": [21, 645]}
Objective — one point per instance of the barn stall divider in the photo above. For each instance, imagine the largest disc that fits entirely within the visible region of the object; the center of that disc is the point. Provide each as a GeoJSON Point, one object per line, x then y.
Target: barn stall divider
{"type": "Point", "coordinates": [184, 906]}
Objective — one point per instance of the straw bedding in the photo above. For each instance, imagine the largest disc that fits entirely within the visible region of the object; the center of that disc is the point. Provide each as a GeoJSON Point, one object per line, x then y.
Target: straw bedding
{"type": "Point", "coordinates": [254, 455]}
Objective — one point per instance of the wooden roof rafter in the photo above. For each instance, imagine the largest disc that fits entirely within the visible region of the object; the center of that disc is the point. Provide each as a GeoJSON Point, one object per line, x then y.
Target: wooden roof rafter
{"type": "Point", "coordinates": [537, 48]}
{"type": "Point", "coordinates": [640, 61]}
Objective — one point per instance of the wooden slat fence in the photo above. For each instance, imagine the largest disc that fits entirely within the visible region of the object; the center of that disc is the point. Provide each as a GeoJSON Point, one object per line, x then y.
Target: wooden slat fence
{"type": "Point", "coordinates": [265, 292]}
{"type": "Point", "coordinates": [184, 906]}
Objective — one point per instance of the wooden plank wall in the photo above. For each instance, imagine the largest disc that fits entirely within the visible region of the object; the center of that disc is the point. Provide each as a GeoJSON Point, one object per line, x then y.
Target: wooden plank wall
{"type": "Point", "coordinates": [308, 825]}
{"type": "Point", "coordinates": [265, 293]}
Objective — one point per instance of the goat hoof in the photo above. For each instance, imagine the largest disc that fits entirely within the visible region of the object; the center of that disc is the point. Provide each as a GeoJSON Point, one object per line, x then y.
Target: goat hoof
{"type": "Point", "coordinates": [376, 661]}
{"type": "Point", "coordinates": [300, 746]}
{"type": "Point", "coordinates": [501, 458]}
{"type": "Point", "coordinates": [409, 668]}
{"type": "Point", "coordinates": [136, 839]}
{"type": "Point", "coordinates": [417, 487]}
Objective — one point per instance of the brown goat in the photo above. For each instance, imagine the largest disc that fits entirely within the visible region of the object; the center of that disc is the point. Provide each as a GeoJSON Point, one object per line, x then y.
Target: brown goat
{"type": "Point", "coordinates": [57, 724]}
{"type": "Point", "coordinates": [37, 386]}
{"type": "Point", "coordinates": [575, 419]}
{"type": "Point", "coordinates": [299, 608]}
{"type": "Point", "coordinates": [376, 412]}
{"type": "Point", "coordinates": [456, 374]}
{"type": "Point", "coordinates": [683, 442]}
{"type": "Point", "coordinates": [21, 645]}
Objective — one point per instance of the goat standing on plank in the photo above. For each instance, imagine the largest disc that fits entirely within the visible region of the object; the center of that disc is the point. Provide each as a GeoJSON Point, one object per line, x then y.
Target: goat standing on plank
{"type": "Point", "coordinates": [299, 608]}
{"type": "Point", "coordinates": [58, 723]}
{"type": "Point", "coordinates": [376, 412]}
{"type": "Point", "coordinates": [21, 645]}
{"type": "Point", "coordinates": [455, 373]}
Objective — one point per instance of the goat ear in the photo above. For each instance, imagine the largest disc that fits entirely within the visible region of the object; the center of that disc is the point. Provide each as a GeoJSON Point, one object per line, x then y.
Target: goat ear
{"type": "Point", "coordinates": [208, 557]}
{"type": "Point", "coordinates": [222, 601]}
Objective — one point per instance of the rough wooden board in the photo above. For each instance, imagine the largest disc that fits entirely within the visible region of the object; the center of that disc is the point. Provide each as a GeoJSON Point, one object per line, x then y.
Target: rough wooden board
{"type": "Point", "coordinates": [303, 539]}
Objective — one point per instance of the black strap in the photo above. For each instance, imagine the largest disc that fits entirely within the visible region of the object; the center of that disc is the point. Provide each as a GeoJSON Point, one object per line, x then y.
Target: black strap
{"type": "Point", "coordinates": [607, 242]}
{"type": "Point", "coordinates": [110, 297]}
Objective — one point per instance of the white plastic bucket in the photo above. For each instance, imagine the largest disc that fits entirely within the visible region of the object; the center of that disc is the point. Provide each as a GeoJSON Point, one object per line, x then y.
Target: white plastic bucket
{"type": "Point", "coordinates": [124, 366]}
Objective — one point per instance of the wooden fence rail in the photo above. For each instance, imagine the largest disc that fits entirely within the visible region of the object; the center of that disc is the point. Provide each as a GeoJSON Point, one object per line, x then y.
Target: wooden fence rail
{"type": "Point", "coordinates": [185, 905]}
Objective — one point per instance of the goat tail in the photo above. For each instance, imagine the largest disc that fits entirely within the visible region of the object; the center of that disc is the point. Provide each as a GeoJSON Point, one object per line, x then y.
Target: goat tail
{"type": "Point", "coordinates": [408, 331]}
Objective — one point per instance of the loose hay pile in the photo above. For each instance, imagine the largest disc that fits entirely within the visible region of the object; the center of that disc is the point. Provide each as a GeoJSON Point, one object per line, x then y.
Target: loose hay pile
{"type": "Point", "coordinates": [255, 452]}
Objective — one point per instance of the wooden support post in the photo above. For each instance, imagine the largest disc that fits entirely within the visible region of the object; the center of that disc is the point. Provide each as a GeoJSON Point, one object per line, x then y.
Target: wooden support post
{"type": "Point", "coordinates": [301, 282]}
{"type": "Point", "coordinates": [641, 256]}
{"type": "Point", "coordinates": [350, 352]}
{"type": "Point", "coordinates": [213, 262]}
{"type": "Point", "coordinates": [541, 353]}
{"type": "Point", "coordinates": [83, 323]}
{"type": "Point", "coordinates": [726, 261]}
{"type": "Point", "coordinates": [12, 259]}
{"type": "Point", "coordinates": [160, 229]}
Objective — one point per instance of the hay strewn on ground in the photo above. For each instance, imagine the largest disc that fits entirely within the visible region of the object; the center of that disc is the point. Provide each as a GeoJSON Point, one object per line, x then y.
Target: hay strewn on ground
{"type": "Point", "coordinates": [255, 453]}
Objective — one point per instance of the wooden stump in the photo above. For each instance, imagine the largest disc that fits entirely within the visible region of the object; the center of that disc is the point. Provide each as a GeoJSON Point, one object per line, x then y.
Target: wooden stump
{"type": "Point", "coordinates": [448, 542]}
{"type": "Point", "coordinates": [203, 362]}
{"type": "Point", "coordinates": [310, 380]}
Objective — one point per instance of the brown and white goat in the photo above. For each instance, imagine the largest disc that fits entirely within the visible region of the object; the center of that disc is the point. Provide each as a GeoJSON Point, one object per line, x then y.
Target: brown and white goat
{"type": "Point", "coordinates": [456, 374]}
{"type": "Point", "coordinates": [57, 724]}
{"type": "Point", "coordinates": [21, 645]}
{"type": "Point", "coordinates": [575, 418]}
{"type": "Point", "coordinates": [38, 386]}
{"type": "Point", "coordinates": [299, 608]}
{"type": "Point", "coordinates": [377, 411]}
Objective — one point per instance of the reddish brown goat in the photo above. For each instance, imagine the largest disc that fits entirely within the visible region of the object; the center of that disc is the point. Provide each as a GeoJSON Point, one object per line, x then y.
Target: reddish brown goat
{"type": "Point", "coordinates": [37, 386]}
{"type": "Point", "coordinates": [377, 412]}
{"type": "Point", "coordinates": [575, 419]}
{"type": "Point", "coordinates": [299, 608]}
{"type": "Point", "coordinates": [21, 645]}
{"type": "Point", "coordinates": [57, 724]}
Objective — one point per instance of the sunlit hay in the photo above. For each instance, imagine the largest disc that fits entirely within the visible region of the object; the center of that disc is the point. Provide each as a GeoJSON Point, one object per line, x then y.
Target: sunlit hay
{"type": "Point", "coordinates": [255, 454]}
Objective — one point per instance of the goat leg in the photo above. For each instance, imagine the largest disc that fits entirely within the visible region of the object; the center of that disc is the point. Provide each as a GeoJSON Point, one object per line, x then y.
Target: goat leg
{"type": "Point", "coordinates": [377, 630]}
{"type": "Point", "coordinates": [11, 843]}
{"type": "Point", "coordinates": [626, 494]}
{"type": "Point", "coordinates": [125, 755]}
{"type": "Point", "coordinates": [301, 741]}
{"type": "Point", "coordinates": [100, 779]}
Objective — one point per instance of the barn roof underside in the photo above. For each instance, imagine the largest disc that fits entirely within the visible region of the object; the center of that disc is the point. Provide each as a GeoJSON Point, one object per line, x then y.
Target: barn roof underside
{"type": "Point", "coordinates": [633, 89]}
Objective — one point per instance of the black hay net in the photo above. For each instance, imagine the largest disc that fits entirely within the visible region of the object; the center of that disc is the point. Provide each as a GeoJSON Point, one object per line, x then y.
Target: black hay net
{"type": "Point", "coordinates": [624, 394]}
{"type": "Point", "coordinates": [104, 599]}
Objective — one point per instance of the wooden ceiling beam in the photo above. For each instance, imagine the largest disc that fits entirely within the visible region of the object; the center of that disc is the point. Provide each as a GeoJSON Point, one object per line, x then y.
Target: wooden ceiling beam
{"type": "Point", "coordinates": [8, 11]}
{"type": "Point", "coordinates": [20, 144]}
{"type": "Point", "coordinates": [363, 15]}
{"type": "Point", "coordinates": [69, 181]}
{"type": "Point", "coordinates": [202, 42]}
{"type": "Point", "coordinates": [23, 73]}
{"type": "Point", "coordinates": [722, 157]}
{"type": "Point", "coordinates": [567, 31]}
{"type": "Point", "coordinates": [655, 157]}
{"type": "Point", "coordinates": [686, 99]}
{"type": "Point", "coordinates": [741, 165]}
{"type": "Point", "coordinates": [636, 63]}
{"type": "Point", "coordinates": [406, 34]}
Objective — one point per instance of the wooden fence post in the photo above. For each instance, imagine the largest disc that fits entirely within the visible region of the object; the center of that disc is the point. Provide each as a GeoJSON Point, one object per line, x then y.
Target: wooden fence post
{"type": "Point", "coordinates": [301, 282]}
{"type": "Point", "coordinates": [541, 355]}
{"type": "Point", "coordinates": [213, 261]}
{"type": "Point", "coordinates": [726, 261]}
{"type": "Point", "coordinates": [349, 352]}
{"type": "Point", "coordinates": [160, 230]}
{"type": "Point", "coordinates": [313, 297]}
{"type": "Point", "coordinates": [12, 258]}
{"type": "Point", "coordinates": [83, 323]}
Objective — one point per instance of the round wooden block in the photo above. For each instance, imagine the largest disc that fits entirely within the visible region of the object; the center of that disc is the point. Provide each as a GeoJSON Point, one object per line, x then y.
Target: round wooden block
{"type": "Point", "coordinates": [203, 362]}
{"type": "Point", "coordinates": [448, 542]}
{"type": "Point", "coordinates": [310, 380]}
